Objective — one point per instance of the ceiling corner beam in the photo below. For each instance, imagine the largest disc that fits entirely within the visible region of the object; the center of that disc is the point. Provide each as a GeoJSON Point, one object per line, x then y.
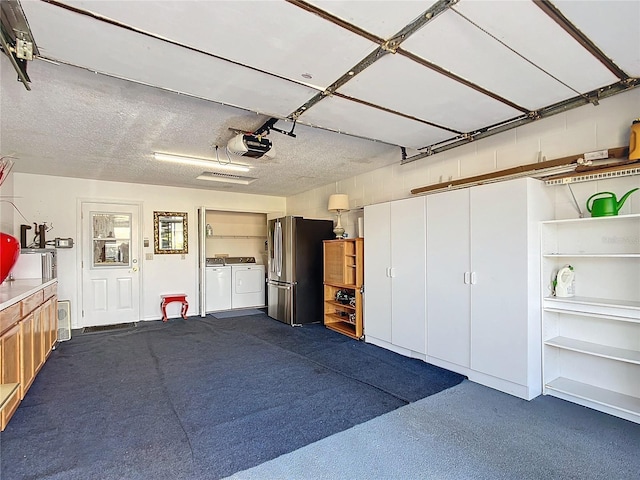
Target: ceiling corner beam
{"type": "Point", "coordinates": [556, 15]}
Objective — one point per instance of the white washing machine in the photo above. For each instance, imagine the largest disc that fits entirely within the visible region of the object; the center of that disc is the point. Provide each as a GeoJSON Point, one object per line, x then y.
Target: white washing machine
{"type": "Point", "coordinates": [247, 285]}
{"type": "Point", "coordinates": [218, 284]}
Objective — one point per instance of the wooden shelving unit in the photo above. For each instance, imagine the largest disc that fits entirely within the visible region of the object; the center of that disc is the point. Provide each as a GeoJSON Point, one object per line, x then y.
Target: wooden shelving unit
{"type": "Point", "coordinates": [343, 278]}
{"type": "Point", "coordinates": [590, 343]}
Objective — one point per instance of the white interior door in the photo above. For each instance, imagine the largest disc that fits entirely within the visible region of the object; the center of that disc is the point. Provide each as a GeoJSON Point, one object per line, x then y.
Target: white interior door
{"type": "Point", "coordinates": [110, 267]}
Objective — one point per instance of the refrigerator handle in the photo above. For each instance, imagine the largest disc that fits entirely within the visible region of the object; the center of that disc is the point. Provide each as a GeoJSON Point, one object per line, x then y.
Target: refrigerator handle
{"type": "Point", "coordinates": [277, 248]}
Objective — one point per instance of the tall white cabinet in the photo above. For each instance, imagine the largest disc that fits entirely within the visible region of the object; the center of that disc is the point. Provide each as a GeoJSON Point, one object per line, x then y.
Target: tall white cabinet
{"type": "Point", "coordinates": [454, 278]}
{"type": "Point", "coordinates": [592, 340]}
{"type": "Point", "coordinates": [449, 279]}
{"type": "Point", "coordinates": [483, 307]}
{"type": "Point", "coordinates": [395, 276]}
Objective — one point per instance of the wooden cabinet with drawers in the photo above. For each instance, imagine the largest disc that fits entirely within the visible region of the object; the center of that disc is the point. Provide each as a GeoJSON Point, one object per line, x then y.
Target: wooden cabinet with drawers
{"type": "Point", "coordinates": [28, 332]}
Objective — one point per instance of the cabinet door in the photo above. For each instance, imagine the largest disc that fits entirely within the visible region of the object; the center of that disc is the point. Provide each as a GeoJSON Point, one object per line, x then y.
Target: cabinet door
{"type": "Point", "coordinates": [377, 261]}
{"type": "Point", "coordinates": [448, 267]}
{"type": "Point", "coordinates": [334, 261]}
{"type": "Point", "coordinates": [48, 319]}
{"type": "Point", "coordinates": [28, 368]}
{"type": "Point", "coordinates": [38, 338]}
{"type": "Point", "coordinates": [408, 274]}
{"type": "Point", "coordinates": [10, 370]}
{"type": "Point", "coordinates": [53, 320]}
{"type": "Point", "coordinates": [499, 259]}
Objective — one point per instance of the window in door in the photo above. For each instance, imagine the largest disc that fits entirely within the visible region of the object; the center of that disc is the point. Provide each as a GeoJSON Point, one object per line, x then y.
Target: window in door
{"type": "Point", "coordinates": [111, 239]}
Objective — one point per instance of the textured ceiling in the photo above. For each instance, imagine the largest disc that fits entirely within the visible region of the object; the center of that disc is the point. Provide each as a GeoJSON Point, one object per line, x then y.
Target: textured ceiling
{"type": "Point", "coordinates": [361, 79]}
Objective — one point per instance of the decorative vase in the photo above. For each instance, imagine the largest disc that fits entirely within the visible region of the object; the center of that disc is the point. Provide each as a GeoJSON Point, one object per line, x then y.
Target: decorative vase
{"type": "Point", "coordinates": [9, 253]}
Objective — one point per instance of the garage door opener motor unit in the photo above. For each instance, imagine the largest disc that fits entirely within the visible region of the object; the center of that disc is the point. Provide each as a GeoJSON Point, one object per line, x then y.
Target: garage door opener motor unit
{"type": "Point", "coordinates": [253, 146]}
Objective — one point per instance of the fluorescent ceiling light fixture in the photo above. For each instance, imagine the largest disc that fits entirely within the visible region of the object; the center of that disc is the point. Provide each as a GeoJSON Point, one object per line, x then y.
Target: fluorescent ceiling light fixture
{"type": "Point", "coordinates": [200, 162]}
{"type": "Point", "coordinates": [225, 178]}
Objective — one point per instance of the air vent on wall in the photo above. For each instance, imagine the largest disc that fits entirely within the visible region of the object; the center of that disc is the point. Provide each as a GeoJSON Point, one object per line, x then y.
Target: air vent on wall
{"type": "Point", "coordinates": [225, 178]}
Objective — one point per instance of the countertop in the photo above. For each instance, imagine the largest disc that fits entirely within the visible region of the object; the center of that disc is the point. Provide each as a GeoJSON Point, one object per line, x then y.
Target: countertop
{"type": "Point", "coordinates": [13, 292]}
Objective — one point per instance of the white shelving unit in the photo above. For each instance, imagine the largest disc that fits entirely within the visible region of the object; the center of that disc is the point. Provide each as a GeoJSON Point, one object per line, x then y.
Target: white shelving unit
{"type": "Point", "coordinates": [591, 342]}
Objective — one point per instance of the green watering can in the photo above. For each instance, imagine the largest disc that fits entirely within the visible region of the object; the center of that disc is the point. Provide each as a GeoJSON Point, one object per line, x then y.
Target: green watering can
{"type": "Point", "coordinates": [607, 205]}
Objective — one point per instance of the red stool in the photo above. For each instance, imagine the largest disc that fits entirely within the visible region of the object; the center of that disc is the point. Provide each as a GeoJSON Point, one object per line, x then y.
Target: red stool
{"type": "Point", "coordinates": [174, 297]}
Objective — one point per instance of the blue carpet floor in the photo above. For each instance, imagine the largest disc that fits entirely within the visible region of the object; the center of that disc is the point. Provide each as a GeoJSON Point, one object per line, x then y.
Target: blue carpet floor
{"type": "Point", "coordinates": [237, 313]}
{"type": "Point", "coordinates": [201, 399]}
{"type": "Point", "coordinates": [470, 432]}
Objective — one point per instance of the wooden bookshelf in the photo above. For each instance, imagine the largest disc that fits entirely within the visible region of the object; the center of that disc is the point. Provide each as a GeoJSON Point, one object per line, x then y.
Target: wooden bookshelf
{"type": "Point", "coordinates": [343, 279]}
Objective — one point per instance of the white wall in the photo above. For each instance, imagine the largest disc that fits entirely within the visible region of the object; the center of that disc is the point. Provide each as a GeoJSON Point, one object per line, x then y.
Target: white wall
{"type": "Point", "coordinates": [576, 131]}
{"type": "Point", "coordinates": [237, 235]}
{"type": "Point", "coordinates": [6, 209]}
{"type": "Point", "coordinates": [54, 200]}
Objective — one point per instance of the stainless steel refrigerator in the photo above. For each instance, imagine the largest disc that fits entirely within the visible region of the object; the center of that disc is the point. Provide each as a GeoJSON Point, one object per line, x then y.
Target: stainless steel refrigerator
{"type": "Point", "coordinates": [294, 280]}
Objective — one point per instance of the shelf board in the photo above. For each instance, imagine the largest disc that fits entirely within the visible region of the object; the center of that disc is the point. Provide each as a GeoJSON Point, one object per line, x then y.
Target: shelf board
{"type": "Point", "coordinates": [340, 305]}
{"type": "Point", "coordinates": [592, 315]}
{"type": "Point", "coordinates": [591, 393]}
{"type": "Point", "coordinates": [348, 286]}
{"type": "Point", "coordinates": [592, 219]}
{"type": "Point", "coordinates": [590, 306]}
{"type": "Point", "coordinates": [339, 318]}
{"type": "Point", "coordinates": [344, 328]}
{"type": "Point", "coordinates": [591, 255]}
{"type": "Point", "coordinates": [598, 350]}
{"type": "Point", "coordinates": [606, 302]}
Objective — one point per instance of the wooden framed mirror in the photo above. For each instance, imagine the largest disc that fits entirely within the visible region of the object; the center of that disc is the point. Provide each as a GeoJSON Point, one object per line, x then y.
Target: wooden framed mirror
{"type": "Point", "coordinates": [170, 232]}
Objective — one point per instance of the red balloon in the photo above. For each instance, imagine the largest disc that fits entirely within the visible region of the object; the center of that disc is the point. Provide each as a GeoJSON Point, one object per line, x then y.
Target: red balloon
{"type": "Point", "coordinates": [9, 253]}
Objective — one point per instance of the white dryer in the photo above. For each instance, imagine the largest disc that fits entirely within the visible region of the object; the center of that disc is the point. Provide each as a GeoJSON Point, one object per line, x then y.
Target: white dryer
{"type": "Point", "coordinates": [247, 283]}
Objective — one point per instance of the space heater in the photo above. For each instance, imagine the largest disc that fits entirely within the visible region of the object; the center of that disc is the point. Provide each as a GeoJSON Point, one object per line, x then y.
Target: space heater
{"type": "Point", "coordinates": [64, 320]}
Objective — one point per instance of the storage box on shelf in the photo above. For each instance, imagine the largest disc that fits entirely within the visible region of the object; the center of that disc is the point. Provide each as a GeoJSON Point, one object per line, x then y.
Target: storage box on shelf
{"type": "Point", "coordinates": [591, 341]}
{"type": "Point", "coordinates": [343, 276]}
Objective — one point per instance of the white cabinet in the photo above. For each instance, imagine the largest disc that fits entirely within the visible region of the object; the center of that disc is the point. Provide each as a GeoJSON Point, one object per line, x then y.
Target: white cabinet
{"type": "Point", "coordinates": [377, 282]}
{"type": "Point", "coordinates": [483, 309]}
{"type": "Point", "coordinates": [395, 276]}
{"type": "Point", "coordinates": [448, 277]}
{"type": "Point", "coordinates": [592, 340]}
